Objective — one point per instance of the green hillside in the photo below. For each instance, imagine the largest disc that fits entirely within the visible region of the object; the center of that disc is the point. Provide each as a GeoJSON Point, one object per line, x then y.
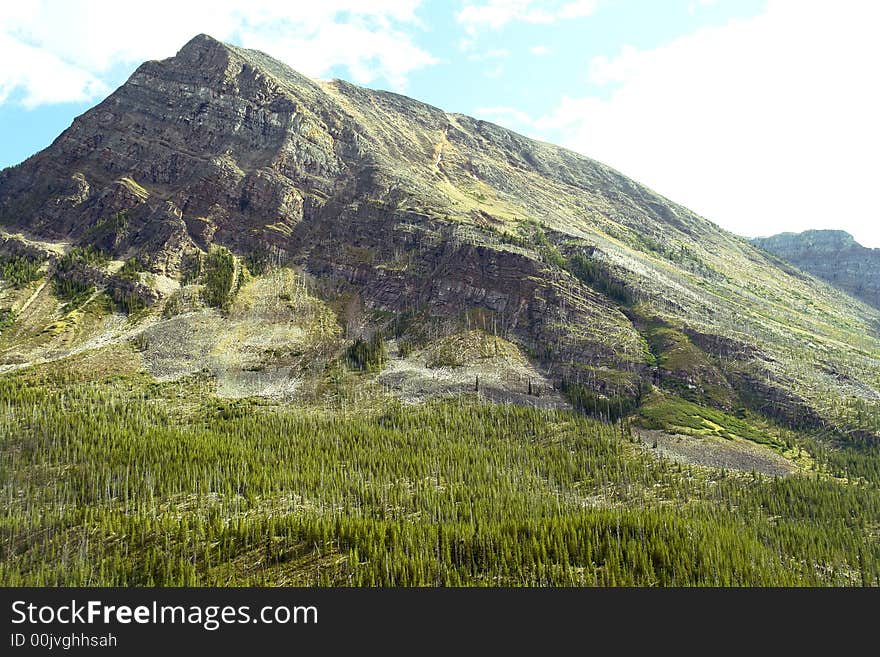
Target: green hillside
{"type": "Point", "coordinates": [112, 480]}
{"type": "Point", "coordinates": [261, 329]}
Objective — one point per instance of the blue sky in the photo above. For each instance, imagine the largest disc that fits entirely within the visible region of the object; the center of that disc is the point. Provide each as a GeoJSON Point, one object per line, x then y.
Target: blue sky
{"type": "Point", "coordinates": [758, 114]}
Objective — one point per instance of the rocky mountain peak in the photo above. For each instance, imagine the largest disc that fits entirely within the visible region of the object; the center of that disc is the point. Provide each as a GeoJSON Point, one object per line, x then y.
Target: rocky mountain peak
{"type": "Point", "coordinates": [201, 44]}
{"type": "Point", "coordinates": [203, 53]}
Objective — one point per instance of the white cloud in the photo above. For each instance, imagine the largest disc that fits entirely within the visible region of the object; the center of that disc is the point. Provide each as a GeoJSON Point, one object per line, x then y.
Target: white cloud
{"type": "Point", "coordinates": [508, 116]}
{"type": "Point", "coordinates": [63, 50]}
{"type": "Point", "coordinates": [45, 78]}
{"type": "Point", "coordinates": [367, 54]}
{"type": "Point", "coordinates": [762, 125]}
{"type": "Point", "coordinates": [495, 14]}
{"type": "Point", "coordinates": [539, 51]}
{"type": "Point", "coordinates": [496, 53]}
{"type": "Point", "coordinates": [577, 9]}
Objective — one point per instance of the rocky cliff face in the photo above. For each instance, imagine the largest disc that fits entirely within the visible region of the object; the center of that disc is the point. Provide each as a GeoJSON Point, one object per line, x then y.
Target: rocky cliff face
{"type": "Point", "coordinates": [412, 211]}
{"type": "Point", "coordinates": [201, 145]}
{"type": "Point", "coordinates": [833, 256]}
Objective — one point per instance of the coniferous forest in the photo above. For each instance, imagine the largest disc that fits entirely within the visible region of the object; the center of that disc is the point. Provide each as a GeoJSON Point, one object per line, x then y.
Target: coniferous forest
{"type": "Point", "coordinates": [127, 482]}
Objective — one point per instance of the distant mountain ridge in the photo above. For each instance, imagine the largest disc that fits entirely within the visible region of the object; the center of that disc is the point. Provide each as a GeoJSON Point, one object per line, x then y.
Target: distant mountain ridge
{"type": "Point", "coordinates": [832, 255]}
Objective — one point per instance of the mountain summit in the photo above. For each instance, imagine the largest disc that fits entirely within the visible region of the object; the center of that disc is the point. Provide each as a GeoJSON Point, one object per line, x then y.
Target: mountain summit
{"type": "Point", "coordinates": [209, 169]}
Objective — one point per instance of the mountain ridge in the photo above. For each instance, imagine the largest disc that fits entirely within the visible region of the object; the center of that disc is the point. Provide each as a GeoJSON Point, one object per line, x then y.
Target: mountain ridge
{"type": "Point", "coordinates": [833, 256]}
{"type": "Point", "coordinates": [409, 210]}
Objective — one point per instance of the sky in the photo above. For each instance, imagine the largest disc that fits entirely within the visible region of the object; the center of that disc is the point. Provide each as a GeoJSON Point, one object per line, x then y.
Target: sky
{"type": "Point", "coordinates": [761, 115]}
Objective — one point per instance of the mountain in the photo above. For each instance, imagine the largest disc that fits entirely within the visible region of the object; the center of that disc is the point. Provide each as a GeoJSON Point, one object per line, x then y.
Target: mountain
{"type": "Point", "coordinates": [833, 256]}
{"type": "Point", "coordinates": [274, 309]}
{"type": "Point", "coordinates": [412, 211]}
